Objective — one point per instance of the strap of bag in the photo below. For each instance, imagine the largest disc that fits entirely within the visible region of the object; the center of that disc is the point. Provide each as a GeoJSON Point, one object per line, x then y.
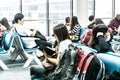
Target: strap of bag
{"type": "Point", "coordinates": [86, 67]}
{"type": "Point", "coordinates": [79, 67]}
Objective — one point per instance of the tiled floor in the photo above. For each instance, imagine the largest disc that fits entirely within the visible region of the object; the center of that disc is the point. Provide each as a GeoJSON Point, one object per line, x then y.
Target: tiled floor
{"type": "Point", "coordinates": [16, 70]}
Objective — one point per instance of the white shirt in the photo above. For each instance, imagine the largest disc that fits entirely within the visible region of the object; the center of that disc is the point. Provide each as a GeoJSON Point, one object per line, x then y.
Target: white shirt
{"type": "Point", "coordinates": [29, 42]}
{"type": "Point", "coordinates": [22, 30]}
{"type": "Point", "coordinates": [64, 45]}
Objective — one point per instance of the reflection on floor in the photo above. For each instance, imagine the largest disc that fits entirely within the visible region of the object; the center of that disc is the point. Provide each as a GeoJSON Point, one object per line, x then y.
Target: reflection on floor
{"type": "Point", "coordinates": [16, 70]}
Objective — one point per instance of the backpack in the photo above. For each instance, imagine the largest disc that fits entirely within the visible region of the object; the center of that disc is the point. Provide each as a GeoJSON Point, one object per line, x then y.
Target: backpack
{"type": "Point", "coordinates": [90, 68]}
{"type": "Point", "coordinates": [86, 36]}
{"type": "Point", "coordinates": [70, 60]}
{"type": "Point", "coordinates": [67, 65]}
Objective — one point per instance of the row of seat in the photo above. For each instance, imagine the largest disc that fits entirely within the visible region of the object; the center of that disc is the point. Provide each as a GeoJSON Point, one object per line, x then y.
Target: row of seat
{"type": "Point", "coordinates": [110, 59]}
{"type": "Point", "coordinates": [13, 40]}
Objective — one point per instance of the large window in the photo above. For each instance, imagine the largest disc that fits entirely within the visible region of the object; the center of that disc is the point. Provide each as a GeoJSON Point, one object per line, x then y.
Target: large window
{"type": "Point", "coordinates": [117, 7]}
{"type": "Point", "coordinates": [44, 14]}
{"type": "Point", "coordinates": [58, 11]}
{"type": "Point", "coordinates": [34, 9]}
{"type": "Point", "coordinates": [103, 9]}
{"type": "Point", "coordinates": [35, 14]}
{"type": "Point", "coordinates": [91, 7]}
{"type": "Point", "coordinates": [9, 8]}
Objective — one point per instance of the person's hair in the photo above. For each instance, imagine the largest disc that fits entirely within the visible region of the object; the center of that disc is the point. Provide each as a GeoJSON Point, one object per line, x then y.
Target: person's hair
{"type": "Point", "coordinates": [13, 21]}
{"type": "Point", "coordinates": [98, 21]}
{"type": "Point", "coordinates": [61, 32]}
{"type": "Point", "coordinates": [18, 16]}
{"type": "Point", "coordinates": [91, 17]}
{"type": "Point", "coordinates": [99, 28]}
{"type": "Point", "coordinates": [5, 23]}
{"type": "Point", "coordinates": [74, 21]}
{"type": "Point", "coordinates": [117, 15]}
{"type": "Point", "coordinates": [67, 19]}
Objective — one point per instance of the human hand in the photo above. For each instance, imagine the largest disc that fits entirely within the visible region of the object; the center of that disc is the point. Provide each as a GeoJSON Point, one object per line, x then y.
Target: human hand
{"type": "Point", "coordinates": [45, 54]}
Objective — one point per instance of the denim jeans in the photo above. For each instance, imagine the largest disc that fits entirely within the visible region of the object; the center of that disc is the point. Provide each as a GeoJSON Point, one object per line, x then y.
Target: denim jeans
{"type": "Point", "coordinates": [36, 71]}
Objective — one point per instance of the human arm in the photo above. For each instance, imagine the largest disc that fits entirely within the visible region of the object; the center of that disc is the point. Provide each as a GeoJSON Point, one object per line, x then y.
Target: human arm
{"type": "Point", "coordinates": [3, 27]}
{"type": "Point", "coordinates": [33, 32]}
{"type": "Point", "coordinates": [75, 29]}
{"type": "Point", "coordinates": [103, 45]}
{"type": "Point", "coordinates": [52, 60]}
{"type": "Point", "coordinates": [112, 25]}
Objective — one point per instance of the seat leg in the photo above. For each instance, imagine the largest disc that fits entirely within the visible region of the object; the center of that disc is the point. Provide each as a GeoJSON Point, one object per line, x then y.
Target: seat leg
{"type": "Point", "coordinates": [4, 67]}
{"type": "Point", "coordinates": [24, 55]}
{"type": "Point", "coordinates": [28, 61]}
{"type": "Point", "coordinates": [37, 60]}
{"type": "Point", "coordinates": [14, 55]}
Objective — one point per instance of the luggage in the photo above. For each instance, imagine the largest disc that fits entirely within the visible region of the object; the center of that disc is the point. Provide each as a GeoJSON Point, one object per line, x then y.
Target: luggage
{"type": "Point", "coordinates": [76, 65]}
{"type": "Point", "coordinates": [90, 68]}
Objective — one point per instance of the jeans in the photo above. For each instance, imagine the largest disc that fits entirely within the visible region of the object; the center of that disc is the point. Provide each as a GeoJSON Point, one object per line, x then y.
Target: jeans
{"type": "Point", "coordinates": [37, 71]}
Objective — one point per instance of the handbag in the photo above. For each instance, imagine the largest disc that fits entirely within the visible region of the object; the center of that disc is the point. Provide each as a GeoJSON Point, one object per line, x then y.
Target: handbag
{"type": "Point", "coordinates": [74, 38]}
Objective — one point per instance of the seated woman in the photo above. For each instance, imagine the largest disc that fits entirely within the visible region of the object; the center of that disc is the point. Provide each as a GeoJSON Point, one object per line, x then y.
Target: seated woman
{"type": "Point", "coordinates": [75, 29]}
{"type": "Point", "coordinates": [101, 39]}
{"type": "Point", "coordinates": [2, 28]}
{"type": "Point", "coordinates": [63, 41]}
{"type": "Point", "coordinates": [88, 32]}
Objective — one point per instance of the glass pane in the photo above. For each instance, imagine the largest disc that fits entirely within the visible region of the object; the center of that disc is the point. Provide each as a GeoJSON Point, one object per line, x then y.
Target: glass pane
{"type": "Point", "coordinates": [117, 7]}
{"type": "Point", "coordinates": [39, 25]}
{"type": "Point", "coordinates": [103, 8]}
{"type": "Point", "coordinates": [106, 21]}
{"type": "Point", "coordinates": [34, 9]}
{"type": "Point", "coordinates": [9, 8]}
{"type": "Point", "coordinates": [74, 7]}
{"type": "Point", "coordinates": [59, 9]}
{"type": "Point", "coordinates": [90, 7]}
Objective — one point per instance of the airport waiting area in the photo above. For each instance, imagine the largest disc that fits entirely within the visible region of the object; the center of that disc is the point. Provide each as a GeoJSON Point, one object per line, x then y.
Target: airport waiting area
{"type": "Point", "coordinates": [16, 65]}
{"type": "Point", "coordinates": [60, 40]}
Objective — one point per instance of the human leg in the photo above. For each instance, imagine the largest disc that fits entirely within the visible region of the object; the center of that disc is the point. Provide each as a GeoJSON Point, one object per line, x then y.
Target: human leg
{"type": "Point", "coordinates": [36, 71]}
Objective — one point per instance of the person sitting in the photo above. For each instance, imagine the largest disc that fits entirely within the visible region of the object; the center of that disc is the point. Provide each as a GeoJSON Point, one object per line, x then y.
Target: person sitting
{"type": "Point", "coordinates": [25, 33]}
{"type": "Point", "coordinates": [101, 39]}
{"type": "Point", "coordinates": [114, 24]}
{"type": "Point", "coordinates": [75, 29]}
{"type": "Point", "coordinates": [67, 22]}
{"type": "Point", "coordinates": [86, 37]}
{"type": "Point", "coordinates": [92, 21]}
{"type": "Point", "coordinates": [5, 23]}
{"type": "Point", "coordinates": [2, 28]}
{"type": "Point", "coordinates": [63, 41]}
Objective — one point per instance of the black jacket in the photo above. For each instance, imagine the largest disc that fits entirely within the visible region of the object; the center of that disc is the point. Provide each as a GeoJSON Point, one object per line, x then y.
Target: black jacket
{"type": "Point", "coordinates": [101, 45]}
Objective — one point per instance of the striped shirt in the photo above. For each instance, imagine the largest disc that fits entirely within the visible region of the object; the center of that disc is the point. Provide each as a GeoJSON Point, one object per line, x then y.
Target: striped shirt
{"type": "Point", "coordinates": [76, 29]}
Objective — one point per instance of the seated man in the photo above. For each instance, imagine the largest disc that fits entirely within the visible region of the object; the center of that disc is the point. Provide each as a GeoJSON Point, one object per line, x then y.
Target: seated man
{"type": "Point", "coordinates": [25, 32]}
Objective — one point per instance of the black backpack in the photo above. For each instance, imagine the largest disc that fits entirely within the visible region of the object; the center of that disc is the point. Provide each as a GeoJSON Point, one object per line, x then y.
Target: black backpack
{"type": "Point", "coordinates": [90, 68]}
{"type": "Point", "coordinates": [67, 69]}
